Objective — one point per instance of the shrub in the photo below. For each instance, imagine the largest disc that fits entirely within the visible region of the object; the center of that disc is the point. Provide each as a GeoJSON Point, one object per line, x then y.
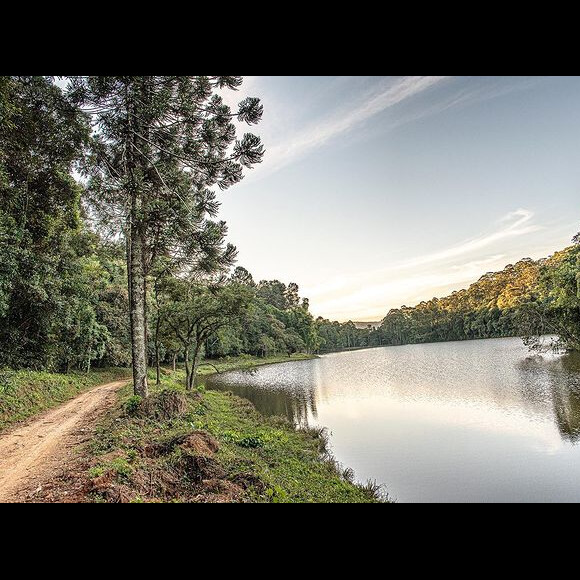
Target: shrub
{"type": "Point", "coordinates": [133, 404]}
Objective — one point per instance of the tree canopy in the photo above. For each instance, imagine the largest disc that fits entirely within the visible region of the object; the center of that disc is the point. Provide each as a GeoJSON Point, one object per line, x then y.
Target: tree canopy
{"type": "Point", "coordinates": [132, 257]}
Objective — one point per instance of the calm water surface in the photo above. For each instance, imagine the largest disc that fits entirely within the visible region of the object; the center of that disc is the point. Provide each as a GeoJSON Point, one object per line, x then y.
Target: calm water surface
{"type": "Point", "coordinates": [457, 421]}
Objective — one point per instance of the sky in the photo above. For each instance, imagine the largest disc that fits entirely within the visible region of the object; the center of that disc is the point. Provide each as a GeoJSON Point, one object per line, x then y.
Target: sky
{"type": "Point", "coordinates": [376, 192]}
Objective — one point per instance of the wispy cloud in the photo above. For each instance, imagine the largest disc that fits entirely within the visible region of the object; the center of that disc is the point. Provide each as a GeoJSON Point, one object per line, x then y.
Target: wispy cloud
{"type": "Point", "coordinates": [370, 294]}
{"type": "Point", "coordinates": [284, 146]}
{"type": "Point", "coordinates": [320, 133]}
{"type": "Point", "coordinates": [517, 223]}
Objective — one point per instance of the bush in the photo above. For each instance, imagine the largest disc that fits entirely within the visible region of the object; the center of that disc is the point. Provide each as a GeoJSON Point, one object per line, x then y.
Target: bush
{"type": "Point", "coordinates": [250, 442]}
{"type": "Point", "coordinates": [133, 404]}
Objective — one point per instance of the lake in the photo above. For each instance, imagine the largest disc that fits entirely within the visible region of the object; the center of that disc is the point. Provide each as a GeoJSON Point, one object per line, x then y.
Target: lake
{"type": "Point", "coordinates": [471, 421]}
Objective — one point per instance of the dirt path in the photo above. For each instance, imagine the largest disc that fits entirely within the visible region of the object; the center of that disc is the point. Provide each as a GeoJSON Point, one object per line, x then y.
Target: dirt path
{"type": "Point", "coordinates": [35, 453]}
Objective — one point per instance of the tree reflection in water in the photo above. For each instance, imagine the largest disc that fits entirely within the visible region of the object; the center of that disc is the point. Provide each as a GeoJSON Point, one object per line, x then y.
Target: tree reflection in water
{"type": "Point", "coordinates": [566, 398]}
{"type": "Point", "coordinates": [561, 378]}
{"type": "Point", "coordinates": [292, 396]}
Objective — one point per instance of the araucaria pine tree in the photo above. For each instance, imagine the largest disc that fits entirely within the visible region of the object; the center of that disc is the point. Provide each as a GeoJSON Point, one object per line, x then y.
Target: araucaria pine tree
{"type": "Point", "coordinates": [160, 145]}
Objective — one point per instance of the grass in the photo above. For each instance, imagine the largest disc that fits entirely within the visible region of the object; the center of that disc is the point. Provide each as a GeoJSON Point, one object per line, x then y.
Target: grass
{"type": "Point", "coordinates": [26, 393]}
{"type": "Point", "coordinates": [139, 458]}
{"type": "Point", "coordinates": [202, 446]}
{"type": "Point", "coordinates": [247, 361]}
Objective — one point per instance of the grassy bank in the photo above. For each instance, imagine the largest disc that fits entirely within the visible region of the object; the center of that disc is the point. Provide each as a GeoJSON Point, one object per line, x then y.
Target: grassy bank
{"type": "Point", "coordinates": [209, 446]}
{"type": "Point", "coordinates": [27, 393]}
{"type": "Point", "coordinates": [247, 361]}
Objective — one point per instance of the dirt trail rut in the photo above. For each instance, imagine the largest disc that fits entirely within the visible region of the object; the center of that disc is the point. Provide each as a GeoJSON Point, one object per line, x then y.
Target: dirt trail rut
{"type": "Point", "coordinates": [34, 453]}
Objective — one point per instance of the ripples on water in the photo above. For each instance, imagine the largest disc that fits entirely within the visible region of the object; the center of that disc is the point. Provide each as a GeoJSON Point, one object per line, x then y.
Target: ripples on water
{"type": "Point", "coordinates": [458, 421]}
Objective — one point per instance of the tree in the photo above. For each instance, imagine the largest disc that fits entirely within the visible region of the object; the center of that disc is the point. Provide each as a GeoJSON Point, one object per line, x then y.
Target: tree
{"type": "Point", "coordinates": [556, 308]}
{"type": "Point", "coordinates": [194, 311]}
{"type": "Point", "coordinates": [160, 144]}
{"type": "Point", "coordinates": [42, 136]}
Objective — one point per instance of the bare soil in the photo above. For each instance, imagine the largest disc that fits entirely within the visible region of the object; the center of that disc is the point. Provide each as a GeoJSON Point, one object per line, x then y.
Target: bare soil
{"type": "Point", "coordinates": [38, 456]}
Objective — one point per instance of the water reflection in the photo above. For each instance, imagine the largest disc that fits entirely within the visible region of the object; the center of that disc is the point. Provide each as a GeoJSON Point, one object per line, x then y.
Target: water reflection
{"type": "Point", "coordinates": [475, 373]}
{"type": "Point", "coordinates": [561, 377]}
{"type": "Point", "coordinates": [459, 421]}
{"type": "Point", "coordinates": [286, 389]}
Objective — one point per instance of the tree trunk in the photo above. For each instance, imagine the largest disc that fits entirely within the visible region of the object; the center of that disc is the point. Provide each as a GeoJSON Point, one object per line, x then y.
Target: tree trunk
{"type": "Point", "coordinates": [137, 300]}
{"type": "Point", "coordinates": [157, 365]}
{"type": "Point", "coordinates": [174, 362]}
{"type": "Point", "coordinates": [135, 258]}
{"type": "Point", "coordinates": [194, 365]}
{"type": "Point", "coordinates": [186, 356]}
{"type": "Point", "coordinates": [157, 327]}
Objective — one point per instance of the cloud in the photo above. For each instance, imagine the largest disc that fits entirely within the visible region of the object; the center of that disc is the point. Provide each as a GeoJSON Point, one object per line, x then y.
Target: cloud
{"type": "Point", "coordinates": [318, 134]}
{"type": "Point", "coordinates": [284, 147]}
{"type": "Point", "coordinates": [369, 295]}
{"type": "Point", "coordinates": [516, 226]}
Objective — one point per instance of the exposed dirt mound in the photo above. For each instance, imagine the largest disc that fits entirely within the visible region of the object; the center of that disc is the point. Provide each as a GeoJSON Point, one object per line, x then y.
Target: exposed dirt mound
{"type": "Point", "coordinates": [168, 404]}
{"type": "Point", "coordinates": [198, 442]}
{"type": "Point", "coordinates": [199, 467]}
{"type": "Point", "coordinates": [220, 491]}
{"type": "Point", "coordinates": [248, 481]}
{"type": "Point", "coordinates": [201, 443]}
{"type": "Point", "coordinates": [182, 467]}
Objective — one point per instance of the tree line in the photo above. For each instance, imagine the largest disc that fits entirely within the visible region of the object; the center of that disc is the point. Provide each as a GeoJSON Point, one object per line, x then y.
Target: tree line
{"type": "Point", "coordinates": [113, 253]}
{"type": "Point", "coordinates": [532, 299]}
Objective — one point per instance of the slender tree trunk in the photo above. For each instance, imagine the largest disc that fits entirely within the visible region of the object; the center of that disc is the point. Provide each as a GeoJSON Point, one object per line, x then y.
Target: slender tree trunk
{"type": "Point", "coordinates": [157, 326]}
{"type": "Point", "coordinates": [174, 362]}
{"type": "Point", "coordinates": [138, 319]}
{"type": "Point", "coordinates": [194, 365]}
{"type": "Point", "coordinates": [186, 356]}
{"type": "Point", "coordinates": [157, 365]}
{"type": "Point", "coordinates": [135, 265]}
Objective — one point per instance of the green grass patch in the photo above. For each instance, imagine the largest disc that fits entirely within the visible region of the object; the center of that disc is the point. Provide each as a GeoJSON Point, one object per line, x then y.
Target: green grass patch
{"type": "Point", "coordinates": [25, 393]}
{"type": "Point", "coordinates": [260, 459]}
{"type": "Point", "coordinates": [246, 361]}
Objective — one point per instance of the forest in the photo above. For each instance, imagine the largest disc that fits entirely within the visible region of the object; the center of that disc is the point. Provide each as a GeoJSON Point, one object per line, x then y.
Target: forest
{"type": "Point", "coordinates": [531, 299]}
{"type": "Point", "coordinates": [113, 253]}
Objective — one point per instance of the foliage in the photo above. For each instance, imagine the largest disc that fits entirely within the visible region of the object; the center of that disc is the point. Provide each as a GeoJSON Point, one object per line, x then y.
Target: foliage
{"type": "Point", "coordinates": [278, 321]}
{"type": "Point", "coordinates": [488, 308]}
{"type": "Point", "coordinates": [42, 289]}
{"type": "Point", "coordinates": [133, 404]}
{"type": "Point", "coordinates": [160, 144]}
{"type": "Point", "coordinates": [253, 458]}
{"type": "Point", "coordinates": [556, 309]}
{"type": "Point", "coordinates": [494, 306]}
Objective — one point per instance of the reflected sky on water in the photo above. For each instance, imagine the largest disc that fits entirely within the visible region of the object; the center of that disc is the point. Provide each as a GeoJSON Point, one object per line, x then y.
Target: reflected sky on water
{"type": "Point", "coordinates": [459, 421]}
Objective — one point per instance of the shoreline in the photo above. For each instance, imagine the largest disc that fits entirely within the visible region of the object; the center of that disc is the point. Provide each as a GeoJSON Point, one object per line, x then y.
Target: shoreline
{"type": "Point", "coordinates": [207, 446]}
{"type": "Point", "coordinates": [248, 362]}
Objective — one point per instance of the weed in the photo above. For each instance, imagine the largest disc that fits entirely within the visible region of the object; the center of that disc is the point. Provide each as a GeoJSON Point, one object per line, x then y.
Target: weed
{"type": "Point", "coordinates": [133, 404]}
{"type": "Point", "coordinates": [251, 442]}
{"type": "Point", "coordinates": [121, 467]}
{"type": "Point", "coordinates": [96, 471]}
{"type": "Point", "coordinates": [276, 494]}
